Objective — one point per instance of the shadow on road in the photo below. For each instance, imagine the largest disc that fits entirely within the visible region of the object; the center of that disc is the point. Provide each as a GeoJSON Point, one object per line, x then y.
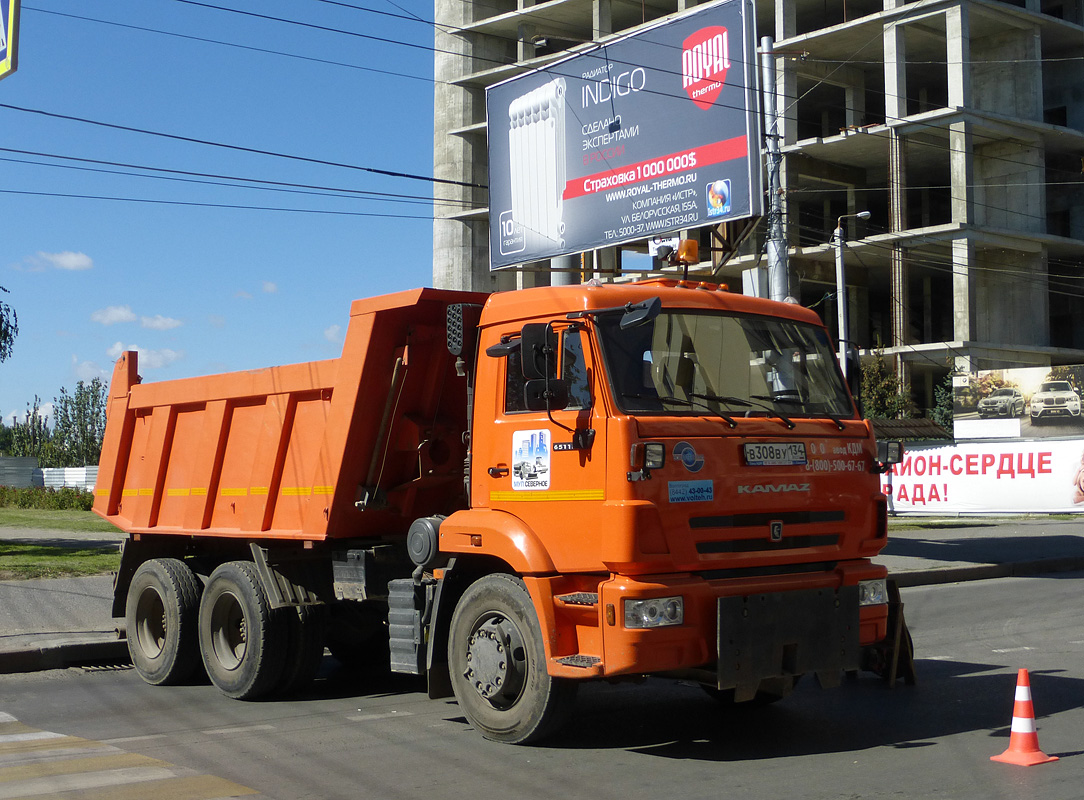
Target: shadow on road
{"type": "Point", "coordinates": [988, 550]}
{"type": "Point", "coordinates": [668, 720]}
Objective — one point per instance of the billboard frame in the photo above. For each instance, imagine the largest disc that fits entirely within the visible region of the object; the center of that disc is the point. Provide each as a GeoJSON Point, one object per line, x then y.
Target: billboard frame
{"type": "Point", "coordinates": [9, 29]}
{"type": "Point", "coordinates": [636, 164]}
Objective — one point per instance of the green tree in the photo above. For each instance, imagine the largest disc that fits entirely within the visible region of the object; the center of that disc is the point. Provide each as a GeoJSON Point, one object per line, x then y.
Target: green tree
{"type": "Point", "coordinates": [32, 438]}
{"type": "Point", "coordinates": [7, 439]}
{"type": "Point", "coordinates": [1073, 373]}
{"type": "Point", "coordinates": [79, 424]}
{"type": "Point", "coordinates": [941, 413]}
{"type": "Point", "coordinates": [9, 328]}
{"type": "Point", "coordinates": [882, 394]}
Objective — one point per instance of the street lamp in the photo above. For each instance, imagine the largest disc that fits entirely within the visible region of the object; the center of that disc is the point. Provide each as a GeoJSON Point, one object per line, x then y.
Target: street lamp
{"type": "Point", "coordinates": [841, 288]}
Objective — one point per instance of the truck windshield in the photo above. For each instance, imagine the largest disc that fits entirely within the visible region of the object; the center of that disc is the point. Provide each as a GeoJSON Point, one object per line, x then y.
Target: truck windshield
{"type": "Point", "coordinates": [703, 363]}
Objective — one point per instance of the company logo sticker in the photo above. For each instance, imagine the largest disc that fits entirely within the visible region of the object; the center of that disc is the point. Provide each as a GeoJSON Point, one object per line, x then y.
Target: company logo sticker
{"type": "Point", "coordinates": [705, 58]}
{"type": "Point", "coordinates": [531, 460]}
{"type": "Point", "coordinates": [718, 197]}
{"type": "Point", "coordinates": [689, 458]}
{"type": "Point", "coordinates": [691, 491]}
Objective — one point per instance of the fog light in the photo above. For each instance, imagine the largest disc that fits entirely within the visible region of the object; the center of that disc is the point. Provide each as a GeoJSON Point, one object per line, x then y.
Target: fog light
{"type": "Point", "coordinates": [654, 453]}
{"type": "Point", "coordinates": [872, 593]}
{"type": "Point", "coordinates": [656, 612]}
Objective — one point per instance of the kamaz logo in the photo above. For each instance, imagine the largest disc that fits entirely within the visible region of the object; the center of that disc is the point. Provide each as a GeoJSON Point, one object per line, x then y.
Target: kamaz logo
{"type": "Point", "coordinates": [773, 488]}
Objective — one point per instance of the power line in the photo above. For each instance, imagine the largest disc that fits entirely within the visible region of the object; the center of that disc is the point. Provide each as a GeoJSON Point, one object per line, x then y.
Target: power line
{"type": "Point", "coordinates": [325, 191]}
{"type": "Point", "coordinates": [240, 148]}
{"type": "Point", "coordinates": [151, 201]}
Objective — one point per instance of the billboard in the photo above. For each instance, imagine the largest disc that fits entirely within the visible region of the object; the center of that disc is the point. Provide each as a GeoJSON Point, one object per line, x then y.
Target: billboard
{"type": "Point", "coordinates": [1023, 402]}
{"type": "Point", "coordinates": [9, 36]}
{"type": "Point", "coordinates": [1006, 477]}
{"type": "Point", "coordinates": [644, 135]}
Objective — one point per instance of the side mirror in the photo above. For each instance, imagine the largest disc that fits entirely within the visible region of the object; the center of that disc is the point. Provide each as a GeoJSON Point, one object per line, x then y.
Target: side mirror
{"type": "Point", "coordinates": [538, 350]}
{"type": "Point", "coordinates": [637, 315]}
{"type": "Point", "coordinates": [546, 395]}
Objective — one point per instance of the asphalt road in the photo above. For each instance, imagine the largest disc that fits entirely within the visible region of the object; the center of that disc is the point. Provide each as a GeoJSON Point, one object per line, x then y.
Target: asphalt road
{"type": "Point", "coordinates": [382, 738]}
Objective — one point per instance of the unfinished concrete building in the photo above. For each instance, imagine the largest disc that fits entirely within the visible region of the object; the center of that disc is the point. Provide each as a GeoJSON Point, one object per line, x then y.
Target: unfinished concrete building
{"type": "Point", "coordinates": [958, 124]}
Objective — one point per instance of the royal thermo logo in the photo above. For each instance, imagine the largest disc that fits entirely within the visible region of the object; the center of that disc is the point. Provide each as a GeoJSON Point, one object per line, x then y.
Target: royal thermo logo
{"type": "Point", "coordinates": [705, 58]}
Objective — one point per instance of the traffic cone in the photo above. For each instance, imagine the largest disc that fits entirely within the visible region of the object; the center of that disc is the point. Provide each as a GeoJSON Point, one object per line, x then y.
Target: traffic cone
{"type": "Point", "coordinates": [1023, 741]}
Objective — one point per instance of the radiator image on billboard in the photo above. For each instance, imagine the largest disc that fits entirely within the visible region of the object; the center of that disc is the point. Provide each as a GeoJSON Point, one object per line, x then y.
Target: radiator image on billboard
{"type": "Point", "coordinates": [536, 156]}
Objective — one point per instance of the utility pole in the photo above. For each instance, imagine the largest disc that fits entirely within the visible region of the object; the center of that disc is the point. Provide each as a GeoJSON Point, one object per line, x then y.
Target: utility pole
{"type": "Point", "coordinates": [841, 287]}
{"type": "Point", "coordinates": [778, 275]}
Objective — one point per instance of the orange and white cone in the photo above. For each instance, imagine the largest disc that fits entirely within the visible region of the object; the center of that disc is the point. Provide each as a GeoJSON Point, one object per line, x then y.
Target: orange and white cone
{"type": "Point", "coordinates": [1023, 741]}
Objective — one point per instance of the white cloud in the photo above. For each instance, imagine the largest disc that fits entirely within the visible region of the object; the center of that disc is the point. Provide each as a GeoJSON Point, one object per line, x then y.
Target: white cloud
{"type": "Point", "coordinates": [88, 370]}
{"type": "Point", "coordinates": [334, 333]}
{"type": "Point", "coordinates": [216, 321]}
{"type": "Point", "coordinates": [44, 410]}
{"type": "Point", "coordinates": [242, 295]}
{"type": "Point", "coordinates": [66, 260]}
{"type": "Point", "coordinates": [113, 314]}
{"type": "Point", "coordinates": [148, 359]}
{"type": "Point", "coordinates": [269, 287]}
{"type": "Point", "coordinates": [160, 323]}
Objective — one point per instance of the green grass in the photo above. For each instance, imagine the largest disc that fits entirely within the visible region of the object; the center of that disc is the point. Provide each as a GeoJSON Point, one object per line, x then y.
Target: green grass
{"type": "Point", "coordinates": [25, 560]}
{"type": "Point", "coordinates": [84, 521]}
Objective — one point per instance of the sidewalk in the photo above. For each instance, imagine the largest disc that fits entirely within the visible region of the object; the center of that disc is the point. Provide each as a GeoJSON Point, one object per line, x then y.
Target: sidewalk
{"type": "Point", "coordinates": [51, 624]}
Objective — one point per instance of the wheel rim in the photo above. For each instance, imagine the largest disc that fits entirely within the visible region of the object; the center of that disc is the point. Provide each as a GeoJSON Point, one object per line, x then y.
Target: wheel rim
{"type": "Point", "coordinates": [228, 635]}
{"type": "Point", "coordinates": [150, 629]}
{"type": "Point", "coordinates": [496, 660]}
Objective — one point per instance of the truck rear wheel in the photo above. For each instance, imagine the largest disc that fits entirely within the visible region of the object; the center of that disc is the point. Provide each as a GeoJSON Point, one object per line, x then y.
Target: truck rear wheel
{"type": "Point", "coordinates": [240, 638]}
{"type": "Point", "coordinates": [161, 617]}
{"type": "Point", "coordinates": [498, 664]}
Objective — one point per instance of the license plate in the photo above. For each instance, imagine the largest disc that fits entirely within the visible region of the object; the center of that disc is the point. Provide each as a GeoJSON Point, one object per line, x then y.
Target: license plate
{"type": "Point", "coordinates": [774, 454]}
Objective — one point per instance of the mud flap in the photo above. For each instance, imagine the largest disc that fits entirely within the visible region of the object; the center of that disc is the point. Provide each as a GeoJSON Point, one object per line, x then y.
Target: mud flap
{"type": "Point", "coordinates": [787, 633]}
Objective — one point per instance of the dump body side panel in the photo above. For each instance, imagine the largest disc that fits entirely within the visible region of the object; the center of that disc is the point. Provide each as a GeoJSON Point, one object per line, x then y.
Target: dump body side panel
{"type": "Point", "coordinates": [286, 452]}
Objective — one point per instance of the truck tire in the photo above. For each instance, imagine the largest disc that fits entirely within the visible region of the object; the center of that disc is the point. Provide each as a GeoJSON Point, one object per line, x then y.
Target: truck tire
{"type": "Point", "coordinates": [305, 629]}
{"type": "Point", "coordinates": [161, 613]}
{"type": "Point", "coordinates": [240, 638]}
{"type": "Point", "coordinates": [498, 664]}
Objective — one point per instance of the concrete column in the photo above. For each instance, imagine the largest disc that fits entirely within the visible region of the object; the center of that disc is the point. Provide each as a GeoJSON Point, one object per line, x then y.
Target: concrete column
{"type": "Point", "coordinates": [786, 19]}
{"type": "Point", "coordinates": [601, 19]}
{"type": "Point", "coordinates": [963, 291]}
{"type": "Point", "coordinates": [958, 49]}
{"type": "Point", "coordinates": [962, 172]}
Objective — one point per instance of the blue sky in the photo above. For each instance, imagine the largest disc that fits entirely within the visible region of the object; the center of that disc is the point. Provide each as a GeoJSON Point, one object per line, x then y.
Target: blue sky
{"type": "Point", "coordinates": [206, 288]}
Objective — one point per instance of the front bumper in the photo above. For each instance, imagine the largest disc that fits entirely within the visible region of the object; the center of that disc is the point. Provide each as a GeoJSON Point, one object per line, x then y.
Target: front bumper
{"type": "Point", "coordinates": [782, 624]}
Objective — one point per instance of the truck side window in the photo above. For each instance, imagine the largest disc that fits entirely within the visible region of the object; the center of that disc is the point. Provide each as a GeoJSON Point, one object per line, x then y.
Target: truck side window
{"type": "Point", "coordinates": [574, 370]}
{"type": "Point", "coordinates": [514, 383]}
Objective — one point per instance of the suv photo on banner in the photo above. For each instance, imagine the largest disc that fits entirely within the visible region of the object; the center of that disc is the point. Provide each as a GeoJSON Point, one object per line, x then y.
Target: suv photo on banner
{"type": "Point", "coordinates": [1026, 403]}
{"type": "Point", "coordinates": [643, 135]}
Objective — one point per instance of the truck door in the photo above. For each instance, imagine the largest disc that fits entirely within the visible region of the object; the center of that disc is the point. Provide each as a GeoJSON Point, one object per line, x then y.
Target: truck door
{"type": "Point", "coordinates": [530, 466]}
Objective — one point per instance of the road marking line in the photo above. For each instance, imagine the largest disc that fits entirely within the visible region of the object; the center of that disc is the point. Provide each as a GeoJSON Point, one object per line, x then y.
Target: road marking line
{"type": "Point", "coordinates": [387, 715]}
{"type": "Point", "coordinates": [5, 717]}
{"type": "Point", "coordinates": [72, 766]}
{"type": "Point", "coordinates": [1012, 650]}
{"type": "Point", "coordinates": [124, 739]}
{"type": "Point", "coordinates": [36, 756]}
{"type": "Point", "coordinates": [85, 780]}
{"type": "Point", "coordinates": [238, 729]}
{"type": "Point", "coordinates": [30, 737]}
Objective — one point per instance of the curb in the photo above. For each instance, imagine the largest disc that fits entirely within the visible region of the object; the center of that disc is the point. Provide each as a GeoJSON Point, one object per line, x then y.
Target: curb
{"type": "Point", "coordinates": [62, 654]}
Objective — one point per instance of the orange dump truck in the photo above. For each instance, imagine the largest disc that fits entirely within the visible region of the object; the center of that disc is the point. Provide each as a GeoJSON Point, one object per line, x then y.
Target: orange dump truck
{"type": "Point", "coordinates": [509, 493]}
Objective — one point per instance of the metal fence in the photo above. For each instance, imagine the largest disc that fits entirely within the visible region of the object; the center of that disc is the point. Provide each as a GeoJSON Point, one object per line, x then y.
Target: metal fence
{"type": "Point", "coordinates": [24, 473]}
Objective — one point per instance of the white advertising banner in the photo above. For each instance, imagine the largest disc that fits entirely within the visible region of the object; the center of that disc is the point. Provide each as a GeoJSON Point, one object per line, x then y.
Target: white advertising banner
{"type": "Point", "coordinates": [1008, 477]}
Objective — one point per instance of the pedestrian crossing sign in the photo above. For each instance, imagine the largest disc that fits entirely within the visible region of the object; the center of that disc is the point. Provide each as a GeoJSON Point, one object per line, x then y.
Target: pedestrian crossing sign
{"type": "Point", "coordinates": [9, 36]}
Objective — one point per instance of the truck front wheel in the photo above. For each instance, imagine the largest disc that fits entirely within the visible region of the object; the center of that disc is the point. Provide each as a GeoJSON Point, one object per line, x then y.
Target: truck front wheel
{"type": "Point", "coordinates": [241, 640]}
{"type": "Point", "coordinates": [160, 616]}
{"type": "Point", "coordinates": [498, 665]}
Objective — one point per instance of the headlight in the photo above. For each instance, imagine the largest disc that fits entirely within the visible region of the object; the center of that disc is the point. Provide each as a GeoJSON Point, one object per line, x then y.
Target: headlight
{"type": "Point", "coordinates": [657, 612]}
{"type": "Point", "coordinates": [873, 593]}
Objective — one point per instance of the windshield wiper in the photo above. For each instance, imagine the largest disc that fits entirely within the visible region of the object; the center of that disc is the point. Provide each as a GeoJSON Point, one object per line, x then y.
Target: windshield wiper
{"type": "Point", "coordinates": [741, 401]}
{"type": "Point", "coordinates": [677, 401]}
{"type": "Point", "coordinates": [798, 401]}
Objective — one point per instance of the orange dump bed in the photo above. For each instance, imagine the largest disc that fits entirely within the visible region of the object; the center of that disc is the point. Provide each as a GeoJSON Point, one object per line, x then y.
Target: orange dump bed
{"type": "Point", "coordinates": [360, 445]}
